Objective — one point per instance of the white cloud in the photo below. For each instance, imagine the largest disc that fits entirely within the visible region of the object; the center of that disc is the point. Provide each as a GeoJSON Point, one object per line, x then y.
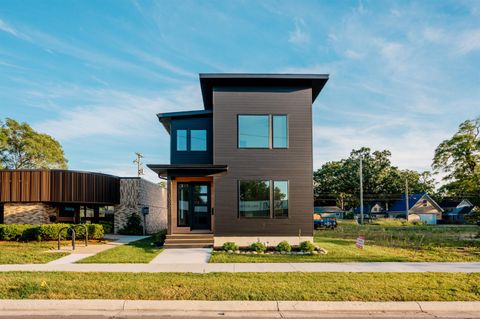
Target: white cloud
{"type": "Point", "coordinates": [354, 55]}
{"type": "Point", "coordinates": [468, 41]}
{"type": "Point", "coordinates": [299, 36]}
{"type": "Point", "coordinates": [5, 27]}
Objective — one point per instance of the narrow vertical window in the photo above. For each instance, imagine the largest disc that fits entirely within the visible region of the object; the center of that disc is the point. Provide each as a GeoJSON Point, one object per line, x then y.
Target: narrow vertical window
{"type": "Point", "coordinates": [280, 131]}
{"type": "Point", "coordinates": [183, 204]}
{"type": "Point", "coordinates": [280, 197]}
{"type": "Point", "coordinates": [198, 140]}
{"type": "Point", "coordinates": [181, 140]}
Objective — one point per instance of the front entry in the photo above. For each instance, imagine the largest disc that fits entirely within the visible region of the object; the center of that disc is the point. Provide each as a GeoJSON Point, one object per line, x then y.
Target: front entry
{"type": "Point", "coordinates": [194, 206]}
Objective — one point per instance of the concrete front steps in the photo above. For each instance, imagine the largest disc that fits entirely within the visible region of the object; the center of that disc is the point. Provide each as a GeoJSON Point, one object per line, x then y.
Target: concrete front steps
{"type": "Point", "coordinates": [190, 240]}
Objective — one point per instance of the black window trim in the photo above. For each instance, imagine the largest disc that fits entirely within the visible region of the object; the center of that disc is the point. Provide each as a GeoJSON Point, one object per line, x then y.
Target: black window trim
{"type": "Point", "coordinates": [269, 132]}
{"type": "Point", "coordinates": [272, 200]}
{"type": "Point", "coordinates": [273, 132]}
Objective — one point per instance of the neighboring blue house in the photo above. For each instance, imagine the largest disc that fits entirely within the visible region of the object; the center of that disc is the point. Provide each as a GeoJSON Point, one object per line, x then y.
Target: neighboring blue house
{"type": "Point", "coordinates": [420, 207]}
{"type": "Point", "coordinates": [329, 212]}
{"type": "Point", "coordinates": [456, 209]}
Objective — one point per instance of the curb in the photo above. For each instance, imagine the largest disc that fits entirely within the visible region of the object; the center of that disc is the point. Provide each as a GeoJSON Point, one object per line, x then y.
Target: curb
{"type": "Point", "coordinates": [238, 306]}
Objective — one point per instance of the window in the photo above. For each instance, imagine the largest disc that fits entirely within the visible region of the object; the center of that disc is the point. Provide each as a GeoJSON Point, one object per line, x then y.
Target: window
{"type": "Point", "coordinates": [181, 140]}
{"type": "Point", "coordinates": [198, 140]}
{"type": "Point", "coordinates": [182, 204]}
{"type": "Point", "coordinates": [280, 196]}
{"type": "Point", "coordinates": [254, 199]}
{"type": "Point", "coordinates": [280, 131]}
{"type": "Point", "coordinates": [253, 131]}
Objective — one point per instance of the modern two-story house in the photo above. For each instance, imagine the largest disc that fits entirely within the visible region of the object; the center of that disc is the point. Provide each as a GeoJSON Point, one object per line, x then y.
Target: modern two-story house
{"type": "Point", "coordinates": [241, 168]}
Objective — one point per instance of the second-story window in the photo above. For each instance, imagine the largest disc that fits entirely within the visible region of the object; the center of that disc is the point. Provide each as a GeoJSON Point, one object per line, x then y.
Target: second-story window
{"type": "Point", "coordinates": [198, 140]}
{"type": "Point", "coordinates": [181, 140]}
{"type": "Point", "coordinates": [253, 131]}
{"type": "Point", "coordinates": [280, 131]}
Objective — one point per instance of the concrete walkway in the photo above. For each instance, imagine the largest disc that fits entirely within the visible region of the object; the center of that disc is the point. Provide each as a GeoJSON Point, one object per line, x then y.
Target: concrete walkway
{"type": "Point", "coordinates": [81, 251]}
{"type": "Point", "coordinates": [225, 309]}
{"type": "Point", "coordinates": [265, 267]}
{"type": "Point", "coordinates": [183, 256]}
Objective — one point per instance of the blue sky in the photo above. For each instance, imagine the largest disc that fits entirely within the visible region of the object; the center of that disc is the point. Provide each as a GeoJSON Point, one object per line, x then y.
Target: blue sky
{"type": "Point", "coordinates": [93, 74]}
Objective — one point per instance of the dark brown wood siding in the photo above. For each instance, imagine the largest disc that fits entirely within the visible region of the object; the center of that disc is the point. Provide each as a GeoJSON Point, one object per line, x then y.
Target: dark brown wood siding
{"type": "Point", "coordinates": [58, 186]}
{"type": "Point", "coordinates": [293, 164]}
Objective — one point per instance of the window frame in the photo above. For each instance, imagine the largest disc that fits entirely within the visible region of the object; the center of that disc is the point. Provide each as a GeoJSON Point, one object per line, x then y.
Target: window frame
{"type": "Point", "coordinates": [269, 132]}
{"type": "Point", "coordinates": [273, 131]}
{"type": "Point", "coordinates": [186, 140]}
{"type": "Point", "coordinates": [271, 198]}
{"type": "Point", "coordinates": [190, 140]}
{"type": "Point", "coordinates": [187, 216]}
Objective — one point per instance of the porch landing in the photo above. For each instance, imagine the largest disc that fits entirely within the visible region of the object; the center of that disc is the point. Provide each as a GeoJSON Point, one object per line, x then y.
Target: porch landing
{"type": "Point", "coordinates": [189, 240]}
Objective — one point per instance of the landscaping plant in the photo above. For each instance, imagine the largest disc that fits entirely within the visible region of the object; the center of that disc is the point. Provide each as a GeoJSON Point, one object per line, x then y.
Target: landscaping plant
{"type": "Point", "coordinates": [284, 246]}
{"type": "Point", "coordinates": [133, 226]}
{"type": "Point", "coordinates": [307, 246]}
{"type": "Point", "coordinates": [258, 247]}
{"type": "Point", "coordinates": [229, 246]}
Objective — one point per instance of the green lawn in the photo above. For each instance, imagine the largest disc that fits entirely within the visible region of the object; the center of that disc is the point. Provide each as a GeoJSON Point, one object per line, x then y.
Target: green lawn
{"type": "Point", "coordinates": [140, 251]}
{"type": "Point", "coordinates": [28, 252]}
{"type": "Point", "coordinates": [383, 243]}
{"type": "Point", "coordinates": [242, 286]}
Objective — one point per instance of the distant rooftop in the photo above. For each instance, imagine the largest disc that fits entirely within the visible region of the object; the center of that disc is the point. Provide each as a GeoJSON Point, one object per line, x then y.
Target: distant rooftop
{"type": "Point", "coordinates": [210, 80]}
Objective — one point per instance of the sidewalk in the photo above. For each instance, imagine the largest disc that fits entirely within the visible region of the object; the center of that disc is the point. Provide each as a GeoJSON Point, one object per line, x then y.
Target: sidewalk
{"type": "Point", "coordinates": [277, 309]}
{"type": "Point", "coordinates": [266, 267]}
{"type": "Point", "coordinates": [81, 251]}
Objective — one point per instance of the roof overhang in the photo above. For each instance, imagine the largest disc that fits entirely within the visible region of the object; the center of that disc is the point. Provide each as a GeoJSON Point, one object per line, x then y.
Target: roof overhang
{"type": "Point", "coordinates": [208, 81]}
{"type": "Point", "coordinates": [190, 170]}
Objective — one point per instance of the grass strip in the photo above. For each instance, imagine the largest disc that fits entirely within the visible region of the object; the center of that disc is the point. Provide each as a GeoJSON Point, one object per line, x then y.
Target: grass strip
{"type": "Point", "coordinates": [242, 286]}
{"type": "Point", "coordinates": [28, 252]}
{"type": "Point", "coordinates": [140, 251]}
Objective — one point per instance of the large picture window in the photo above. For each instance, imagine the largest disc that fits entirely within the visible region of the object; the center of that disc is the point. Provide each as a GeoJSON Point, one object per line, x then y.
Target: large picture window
{"type": "Point", "coordinates": [181, 140]}
{"type": "Point", "coordinates": [280, 131]}
{"type": "Point", "coordinates": [253, 131]}
{"type": "Point", "coordinates": [198, 140]}
{"type": "Point", "coordinates": [254, 199]}
{"type": "Point", "coordinates": [280, 198]}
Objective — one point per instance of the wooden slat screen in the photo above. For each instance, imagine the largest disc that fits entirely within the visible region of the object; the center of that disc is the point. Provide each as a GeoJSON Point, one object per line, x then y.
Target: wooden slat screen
{"type": "Point", "coordinates": [58, 186]}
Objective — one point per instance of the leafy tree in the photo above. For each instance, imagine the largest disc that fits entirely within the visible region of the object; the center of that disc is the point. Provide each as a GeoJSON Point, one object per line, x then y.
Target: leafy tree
{"type": "Point", "coordinates": [339, 180]}
{"type": "Point", "coordinates": [22, 148]}
{"type": "Point", "coordinates": [459, 158]}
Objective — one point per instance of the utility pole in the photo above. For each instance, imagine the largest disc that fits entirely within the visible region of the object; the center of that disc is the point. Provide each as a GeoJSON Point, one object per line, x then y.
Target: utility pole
{"type": "Point", "coordinates": [406, 199]}
{"type": "Point", "coordinates": [361, 192]}
{"type": "Point", "coordinates": [138, 161]}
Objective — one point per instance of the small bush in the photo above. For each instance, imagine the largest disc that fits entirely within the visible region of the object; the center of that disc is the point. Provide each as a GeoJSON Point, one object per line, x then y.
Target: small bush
{"type": "Point", "coordinates": [159, 238]}
{"type": "Point", "coordinates": [258, 247]}
{"type": "Point", "coordinates": [13, 231]}
{"type": "Point", "coordinates": [307, 246]}
{"type": "Point", "coordinates": [229, 246]}
{"type": "Point", "coordinates": [133, 226]}
{"type": "Point", "coordinates": [284, 246]}
{"type": "Point", "coordinates": [107, 228]}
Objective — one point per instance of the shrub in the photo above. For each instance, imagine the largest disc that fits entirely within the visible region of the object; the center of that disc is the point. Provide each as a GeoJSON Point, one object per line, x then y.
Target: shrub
{"type": "Point", "coordinates": [258, 247]}
{"type": "Point", "coordinates": [307, 246]}
{"type": "Point", "coordinates": [284, 246]}
{"type": "Point", "coordinates": [107, 228]}
{"type": "Point", "coordinates": [133, 226]}
{"type": "Point", "coordinates": [47, 231]}
{"type": "Point", "coordinates": [13, 231]}
{"type": "Point", "coordinates": [229, 246]}
{"type": "Point", "coordinates": [160, 237]}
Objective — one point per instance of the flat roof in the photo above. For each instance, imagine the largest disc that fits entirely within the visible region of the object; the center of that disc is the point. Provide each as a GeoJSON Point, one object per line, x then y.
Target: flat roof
{"type": "Point", "coordinates": [165, 118]}
{"type": "Point", "coordinates": [210, 80]}
{"type": "Point", "coordinates": [173, 170]}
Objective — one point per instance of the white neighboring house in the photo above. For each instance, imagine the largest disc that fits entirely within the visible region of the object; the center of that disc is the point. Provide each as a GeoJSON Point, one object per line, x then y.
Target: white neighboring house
{"type": "Point", "coordinates": [420, 207]}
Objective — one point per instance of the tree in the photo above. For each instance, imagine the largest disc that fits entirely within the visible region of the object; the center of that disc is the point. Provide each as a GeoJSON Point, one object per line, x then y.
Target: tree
{"type": "Point", "coordinates": [339, 180]}
{"type": "Point", "coordinates": [459, 158]}
{"type": "Point", "coordinates": [21, 147]}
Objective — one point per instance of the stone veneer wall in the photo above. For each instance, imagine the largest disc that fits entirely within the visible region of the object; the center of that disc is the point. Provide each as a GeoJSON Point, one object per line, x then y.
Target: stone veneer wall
{"type": "Point", "coordinates": [28, 213]}
{"type": "Point", "coordinates": [136, 193]}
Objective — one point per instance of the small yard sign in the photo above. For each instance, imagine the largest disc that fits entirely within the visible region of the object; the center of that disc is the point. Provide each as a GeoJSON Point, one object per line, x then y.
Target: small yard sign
{"type": "Point", "coordinates": [360, 241]}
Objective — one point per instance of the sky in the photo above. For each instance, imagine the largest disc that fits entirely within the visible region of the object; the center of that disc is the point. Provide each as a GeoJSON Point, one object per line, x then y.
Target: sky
{"type": "Point", "coordinates": [94, 74]}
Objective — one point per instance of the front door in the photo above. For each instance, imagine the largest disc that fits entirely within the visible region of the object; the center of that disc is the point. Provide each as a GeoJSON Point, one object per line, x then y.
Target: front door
{"type": "Point", "coordinates": [193, 207]}
{"type": "Point", "coordinates": [200, 205]}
